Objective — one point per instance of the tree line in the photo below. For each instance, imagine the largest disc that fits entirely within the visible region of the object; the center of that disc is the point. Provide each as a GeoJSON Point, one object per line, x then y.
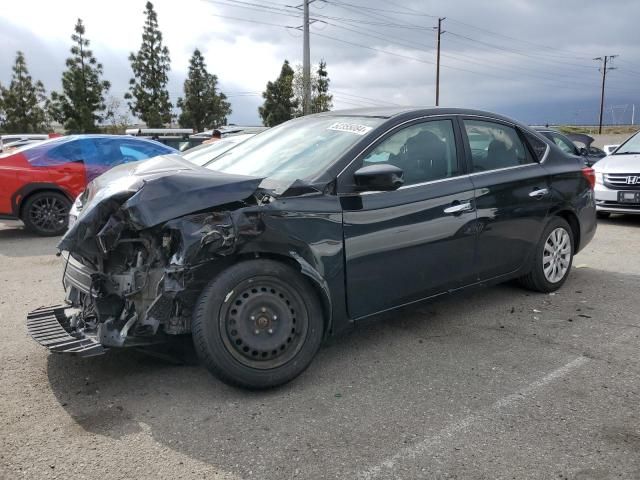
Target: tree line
{"type": "Point", "coordinates": [85, 106]}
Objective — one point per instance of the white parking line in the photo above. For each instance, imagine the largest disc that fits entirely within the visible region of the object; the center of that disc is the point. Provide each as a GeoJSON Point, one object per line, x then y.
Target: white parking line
{"type": "Point", "coordinates": [427, 444]}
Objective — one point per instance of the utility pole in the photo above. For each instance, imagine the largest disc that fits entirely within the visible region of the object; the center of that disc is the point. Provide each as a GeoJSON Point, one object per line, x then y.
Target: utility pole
{"type": "Point", "coordinates": [440, 32]}
{"type": "Point", "coordinates": [606, 59]}
{"type": "Point", "coordinates": [306, 63]}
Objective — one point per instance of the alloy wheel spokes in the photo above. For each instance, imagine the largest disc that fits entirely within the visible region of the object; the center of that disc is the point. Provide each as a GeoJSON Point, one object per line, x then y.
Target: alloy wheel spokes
{"type": "Point", "coordinates": [556, 256]}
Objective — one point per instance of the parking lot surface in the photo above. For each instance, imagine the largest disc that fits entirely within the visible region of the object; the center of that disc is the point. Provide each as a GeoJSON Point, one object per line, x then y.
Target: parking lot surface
{"type": "Point", "coordinates": [497, 383]}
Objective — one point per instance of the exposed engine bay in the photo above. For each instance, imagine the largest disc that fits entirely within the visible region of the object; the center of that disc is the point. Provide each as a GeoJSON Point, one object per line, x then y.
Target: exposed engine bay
{"type": "Point", "coordinates": [136, 259]}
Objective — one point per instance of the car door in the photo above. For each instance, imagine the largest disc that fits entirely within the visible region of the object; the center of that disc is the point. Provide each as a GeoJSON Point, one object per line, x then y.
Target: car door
{"type": "Point", "coordinates": [417, 241]}
{"type": "Point", "coordinates": [512, 194]}
{"type": "Point", "coordinates": [65, 165]}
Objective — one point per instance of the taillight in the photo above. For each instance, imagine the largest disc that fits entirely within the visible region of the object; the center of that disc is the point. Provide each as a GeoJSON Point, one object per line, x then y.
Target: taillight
{"type": "Point", "coordinates": [590, 176]}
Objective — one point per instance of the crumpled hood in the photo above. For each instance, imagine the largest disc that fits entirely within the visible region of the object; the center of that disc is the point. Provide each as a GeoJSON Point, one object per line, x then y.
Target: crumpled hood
{"type": "Point", "coordinates": [148, 193]}
{"type": "Point", "coordinates": [618, 164]}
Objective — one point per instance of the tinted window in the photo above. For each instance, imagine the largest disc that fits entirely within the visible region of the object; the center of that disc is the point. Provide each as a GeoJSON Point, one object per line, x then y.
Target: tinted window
{"type": "Point", "coordinates": [114, 151]}
{"type": "Point", "coordinates": [424, 151]}
{"type": "Point", "coordinates": [538, 146]}
{"type": "Point", "coordinates": [494, 146]}
{"type": "Point", "coordinates": [565, 144]}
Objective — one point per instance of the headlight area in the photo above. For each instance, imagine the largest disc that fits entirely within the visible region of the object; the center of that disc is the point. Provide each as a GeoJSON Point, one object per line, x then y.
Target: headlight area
{"type": "Point", "coordinates": [599, 178]}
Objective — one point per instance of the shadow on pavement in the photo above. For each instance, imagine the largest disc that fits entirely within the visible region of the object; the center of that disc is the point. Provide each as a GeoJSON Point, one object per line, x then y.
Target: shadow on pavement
{"type": "Point", "coordinates": [623, 220]}
{"type": "Point", "coordinates": [15, 241]}
{"type": "Point", "coordinates": [367, 394]}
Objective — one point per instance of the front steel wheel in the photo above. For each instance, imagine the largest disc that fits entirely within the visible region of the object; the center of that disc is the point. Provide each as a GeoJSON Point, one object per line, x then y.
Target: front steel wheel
{"type": "Point", "coordinates": [258, 324]}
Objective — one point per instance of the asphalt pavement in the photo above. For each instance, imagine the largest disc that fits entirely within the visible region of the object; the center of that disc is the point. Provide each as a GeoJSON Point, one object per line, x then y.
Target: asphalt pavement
{"type": "Point", "coordinates": [497, 383]}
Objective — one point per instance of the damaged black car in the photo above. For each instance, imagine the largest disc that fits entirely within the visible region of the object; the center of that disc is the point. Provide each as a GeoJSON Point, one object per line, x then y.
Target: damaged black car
{"type": "Point", "coordinates": [308, 228]}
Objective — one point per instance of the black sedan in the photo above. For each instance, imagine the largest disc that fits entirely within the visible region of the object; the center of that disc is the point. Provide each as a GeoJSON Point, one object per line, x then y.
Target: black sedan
{"type": "Point", "coordinates": [304, 230]}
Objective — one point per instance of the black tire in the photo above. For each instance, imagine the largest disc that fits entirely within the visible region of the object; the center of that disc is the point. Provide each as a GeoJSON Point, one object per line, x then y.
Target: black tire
{"type": "Point", "coordinates": [46, 214]}
{"type": "Point", "coordinates": [258, 324]}
{"type": "Point", "coordinates": [536, 279]}
{"type": "Point", "coordinates": [603, 214]}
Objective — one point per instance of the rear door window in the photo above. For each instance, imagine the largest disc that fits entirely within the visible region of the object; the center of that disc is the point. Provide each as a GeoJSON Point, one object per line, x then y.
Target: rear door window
{"type": "Point", "coordinates": [495, 146]}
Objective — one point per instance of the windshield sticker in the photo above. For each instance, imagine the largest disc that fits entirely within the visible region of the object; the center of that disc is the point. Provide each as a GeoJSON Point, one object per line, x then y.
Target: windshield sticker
{"type": "Point", "coordinates": [351, 128]}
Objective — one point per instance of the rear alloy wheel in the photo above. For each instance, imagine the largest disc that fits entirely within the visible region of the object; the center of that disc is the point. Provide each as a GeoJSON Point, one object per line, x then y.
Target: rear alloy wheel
{"type": "Point", "coordinates": [553, 258]}
{"type": "Point", "coordinates": [258, 324]}
{"type": "Point", "coordinates": [46, 213]}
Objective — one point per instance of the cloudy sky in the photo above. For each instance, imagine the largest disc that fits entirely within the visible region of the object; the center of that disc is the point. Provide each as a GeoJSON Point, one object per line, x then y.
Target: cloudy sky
{"type": "Point", "coordinates": [529, 59]}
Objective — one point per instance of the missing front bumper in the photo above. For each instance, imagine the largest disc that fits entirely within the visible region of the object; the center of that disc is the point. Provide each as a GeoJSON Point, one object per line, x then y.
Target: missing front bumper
{"type": "Point", "coordinates": [49, 327]}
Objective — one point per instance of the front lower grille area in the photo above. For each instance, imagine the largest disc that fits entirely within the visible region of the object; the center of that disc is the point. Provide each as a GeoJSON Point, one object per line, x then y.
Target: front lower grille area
{"type": "Point", "coordinates": [77, 275]}
{"type": "Point", "coordinates": [49, 327]}
{"type": "Point", "coordinates": [622, 181]}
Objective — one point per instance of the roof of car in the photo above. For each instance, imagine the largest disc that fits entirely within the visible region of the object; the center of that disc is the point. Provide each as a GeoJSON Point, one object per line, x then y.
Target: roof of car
{"type": "Point", "coordinates": [394, 111]}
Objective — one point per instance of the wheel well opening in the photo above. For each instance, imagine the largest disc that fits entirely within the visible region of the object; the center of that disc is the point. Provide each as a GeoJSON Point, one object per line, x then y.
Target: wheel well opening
{"type": "Point", "coordinates": [324, 301]}
{"type": "Point", "coordinates": [572, 220]}
{"type": "Point", "coordinates": [24, 199]}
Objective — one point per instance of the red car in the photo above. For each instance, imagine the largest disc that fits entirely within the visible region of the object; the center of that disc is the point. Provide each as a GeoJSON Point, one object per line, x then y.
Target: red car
{"type": "Point", "coordinates": [39, 182]}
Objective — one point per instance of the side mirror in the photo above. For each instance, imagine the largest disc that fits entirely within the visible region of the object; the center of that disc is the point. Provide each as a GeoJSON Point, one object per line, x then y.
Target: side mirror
{"type": "Point", "coordinates": [583, 151]}
{"type": "Point", "coordinates": [378, 178]}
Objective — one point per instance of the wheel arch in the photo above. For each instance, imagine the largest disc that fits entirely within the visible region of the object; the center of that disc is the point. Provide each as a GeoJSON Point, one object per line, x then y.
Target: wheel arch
{"type": "Point", "coordinates": [19, 198]}
{"type": "Point", "coordinates": [316, 280]}
{"type": "Point", "coordinates": [572, 219]}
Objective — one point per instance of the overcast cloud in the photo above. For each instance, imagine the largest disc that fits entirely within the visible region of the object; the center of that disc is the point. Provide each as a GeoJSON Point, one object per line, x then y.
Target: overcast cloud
{"type": "Point", "coordinates": [528, 59]}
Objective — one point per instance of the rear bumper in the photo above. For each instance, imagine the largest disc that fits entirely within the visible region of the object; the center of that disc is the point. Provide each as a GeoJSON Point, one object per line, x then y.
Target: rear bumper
{"type": "Point", "coordinates": [50, 327]}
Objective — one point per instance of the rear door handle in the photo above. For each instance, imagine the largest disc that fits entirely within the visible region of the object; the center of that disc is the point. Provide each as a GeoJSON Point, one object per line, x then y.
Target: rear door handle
{"type": "Point", "coordinates": [459, 208]}
{"type": "Point", "coordinates": [539, 193]}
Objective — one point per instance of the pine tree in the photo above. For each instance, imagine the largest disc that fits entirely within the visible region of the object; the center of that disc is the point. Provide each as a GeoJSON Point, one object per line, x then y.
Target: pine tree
{"type": "Point", "coordinates": [279, 100]}
{"type": "Point", "coordinates": [148, 95]}
{"type": "Point", "coordinates": [23, 102]}
{"type": "Point", "coordinates": [321, 99]}
{"type": "Point", "coordinates": [80, 106]}
{"type": "Point", "coordinates": [202, 106]}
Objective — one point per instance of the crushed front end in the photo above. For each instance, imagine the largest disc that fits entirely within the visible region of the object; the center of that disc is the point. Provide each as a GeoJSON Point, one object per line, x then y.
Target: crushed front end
{"type": "Point", "coordinates": [137, 257]}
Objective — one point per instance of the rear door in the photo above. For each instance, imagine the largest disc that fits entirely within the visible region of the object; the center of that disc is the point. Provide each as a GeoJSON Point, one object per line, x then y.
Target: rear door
{"type": "Point", "coordinates": [512, 194]}
{"type": "Point", "coordinates": [419, 240]}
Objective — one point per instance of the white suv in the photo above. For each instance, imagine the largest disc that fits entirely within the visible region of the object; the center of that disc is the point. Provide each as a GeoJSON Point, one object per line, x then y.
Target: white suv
{"type": "Point", "coordinates": [618, 180]}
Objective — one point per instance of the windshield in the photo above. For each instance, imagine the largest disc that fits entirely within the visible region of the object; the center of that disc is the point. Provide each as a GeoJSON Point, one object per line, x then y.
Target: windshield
{"type": "Point", "coordinates": [630, 146]}
{"type": "Point", "coordinates": [208, 151]}
{"type": "Point", "coordinates": [296, 150]}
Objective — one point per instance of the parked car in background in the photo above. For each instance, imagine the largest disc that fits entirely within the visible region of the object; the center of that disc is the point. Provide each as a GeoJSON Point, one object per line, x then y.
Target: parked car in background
{"type": "Point", "coordinates": [228, 130]}
{"type": "Point", "coordinates": [311, 227]}
{"type": "Point", "coordinates": [14, 144]}
{"type": "Point", "coordinates": [182, 139]}
{"type": "Point", "coordinates": [585, 146]}
{"type": "Point", "coordinates": [14, 139]}
{"type": "Point", "coordinates": [562, 142]}
{"type": "Point", "coordinates": [38, 182]}
{"type": "Point", "coordinates": [618, 180]}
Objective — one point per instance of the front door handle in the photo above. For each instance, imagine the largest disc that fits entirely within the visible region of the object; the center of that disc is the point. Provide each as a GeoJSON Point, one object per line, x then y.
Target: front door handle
{"type": "Point", "coordinates": [459, 208]}
{"type": "Point", "coordinates": [539, 193]}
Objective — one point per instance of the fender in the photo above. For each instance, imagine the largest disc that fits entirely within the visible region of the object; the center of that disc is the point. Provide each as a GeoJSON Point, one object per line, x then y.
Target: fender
{"type": "Point", "coordinates": [307, 269]}
{"type": "Point", "coordinates": [18, 197]}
